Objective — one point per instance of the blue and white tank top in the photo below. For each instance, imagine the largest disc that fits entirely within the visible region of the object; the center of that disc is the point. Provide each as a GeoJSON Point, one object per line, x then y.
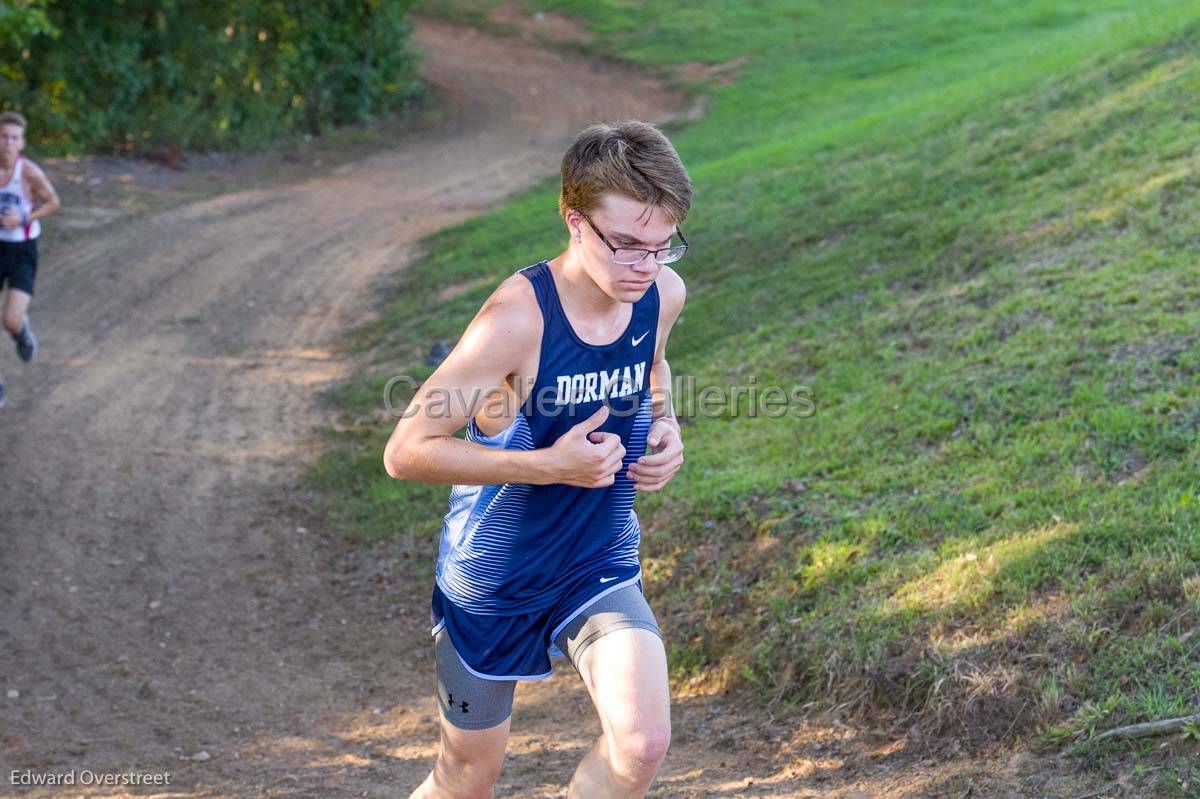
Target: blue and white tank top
{"type": "Point", "coordinates": [514, 548]}
{"type": "Point", "coordinates": [14, 196]}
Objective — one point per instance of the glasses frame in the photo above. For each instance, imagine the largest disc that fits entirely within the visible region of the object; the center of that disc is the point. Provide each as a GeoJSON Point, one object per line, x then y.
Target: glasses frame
{"type": "Point", "coordinates": [645, 252]}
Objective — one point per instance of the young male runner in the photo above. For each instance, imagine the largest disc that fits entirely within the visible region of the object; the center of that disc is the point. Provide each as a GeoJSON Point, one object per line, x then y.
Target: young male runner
{"type": "Point", "coordinates": [26, 196]}
{"type": "Point", "coordinates": [562, 383]}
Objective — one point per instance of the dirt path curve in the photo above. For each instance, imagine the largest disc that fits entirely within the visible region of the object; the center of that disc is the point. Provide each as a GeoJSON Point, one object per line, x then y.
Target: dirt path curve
{"type": "Point", "coordinates": [168, 603]}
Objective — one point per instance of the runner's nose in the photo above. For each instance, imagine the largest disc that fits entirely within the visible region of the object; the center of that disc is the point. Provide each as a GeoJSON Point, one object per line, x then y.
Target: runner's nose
{"type": "Point", "coordinates": [646, 265]}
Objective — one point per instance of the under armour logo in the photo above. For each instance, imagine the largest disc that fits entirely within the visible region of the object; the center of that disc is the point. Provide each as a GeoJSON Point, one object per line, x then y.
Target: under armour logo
{"type": "Point", "coordinates": [462, 705]}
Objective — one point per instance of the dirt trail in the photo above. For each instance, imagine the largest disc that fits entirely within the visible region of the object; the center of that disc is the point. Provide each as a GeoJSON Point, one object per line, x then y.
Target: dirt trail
{"type": "Point", "coordinates": [165, 591]}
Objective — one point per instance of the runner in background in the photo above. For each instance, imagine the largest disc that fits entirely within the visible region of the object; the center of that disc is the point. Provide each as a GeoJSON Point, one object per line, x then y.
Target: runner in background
{"type": "Point", "coordinates": [26, 197]}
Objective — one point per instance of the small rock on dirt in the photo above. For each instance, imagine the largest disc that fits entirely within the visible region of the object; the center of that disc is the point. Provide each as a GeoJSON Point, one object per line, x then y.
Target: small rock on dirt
{"type": "Point", "coordinates": [437, 354]}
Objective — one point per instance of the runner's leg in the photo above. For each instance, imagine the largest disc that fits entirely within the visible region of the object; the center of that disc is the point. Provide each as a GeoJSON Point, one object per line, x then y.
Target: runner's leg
{"type": "Point", "coordinates": [3, 390]}
{"type": "Point", "coordinates": [625, 672]}
{"type": "Point", "coordinates": [468, 763]}
{"type": "Point", "coordinates": [14, 309]}
{"type": "Point", "coordinates": [475, 717]}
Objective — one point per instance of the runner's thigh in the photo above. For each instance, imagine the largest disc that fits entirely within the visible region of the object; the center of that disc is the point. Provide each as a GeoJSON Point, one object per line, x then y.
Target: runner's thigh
{"type": "Point", "coordinates": [475, 718]}
{"type": "Point", "coordinates": [617, 649]}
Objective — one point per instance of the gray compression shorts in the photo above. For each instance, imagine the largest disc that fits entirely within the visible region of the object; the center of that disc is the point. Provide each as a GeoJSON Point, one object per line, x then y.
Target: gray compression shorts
{"type": "Point", "coordinates": [473, 703]}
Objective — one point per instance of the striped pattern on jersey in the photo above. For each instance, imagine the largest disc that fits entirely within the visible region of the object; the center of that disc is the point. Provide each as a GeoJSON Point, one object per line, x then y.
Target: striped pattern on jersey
{"type": "Point", "coordinates": [483, 550]}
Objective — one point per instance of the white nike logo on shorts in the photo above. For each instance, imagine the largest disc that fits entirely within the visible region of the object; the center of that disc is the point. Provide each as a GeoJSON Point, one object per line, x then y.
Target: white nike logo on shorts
{"type": "Point", "coordinates": [607, 579]}
{"type": "Point", "coordinates": [638, 339]}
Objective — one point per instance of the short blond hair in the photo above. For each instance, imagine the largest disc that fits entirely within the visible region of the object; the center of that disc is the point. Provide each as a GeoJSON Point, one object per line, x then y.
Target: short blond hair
{"type": "Point", "coordinates": [629, 157]}
{"type": "Point", "coordinates": [13, 118]}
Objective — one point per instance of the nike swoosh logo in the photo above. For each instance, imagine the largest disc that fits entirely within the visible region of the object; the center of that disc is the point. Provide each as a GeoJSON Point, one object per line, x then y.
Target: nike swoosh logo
{"type": "Point", "coordinates": [638, 340]}
{"type": "Point", "coordinates": [607, 579]}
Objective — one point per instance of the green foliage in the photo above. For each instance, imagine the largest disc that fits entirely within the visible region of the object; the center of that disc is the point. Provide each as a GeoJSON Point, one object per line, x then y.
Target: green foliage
{"type": "Point", "coordinates": [143, 76]}
{"type": "Point", "coordinates": [20, 21]}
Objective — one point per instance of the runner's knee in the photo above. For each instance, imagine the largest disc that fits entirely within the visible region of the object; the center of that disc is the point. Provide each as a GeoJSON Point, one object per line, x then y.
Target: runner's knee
{"type": "Point", "coordinates": [636, 754]}
{"type": "Point", "coordinates": [461, 780]}
{"type": "Point", "coordinates": [469, 764]}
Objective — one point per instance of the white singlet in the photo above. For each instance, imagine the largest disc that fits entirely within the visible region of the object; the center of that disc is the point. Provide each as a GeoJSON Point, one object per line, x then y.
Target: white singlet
{"type": "Point", "coordinates": [14, 196]}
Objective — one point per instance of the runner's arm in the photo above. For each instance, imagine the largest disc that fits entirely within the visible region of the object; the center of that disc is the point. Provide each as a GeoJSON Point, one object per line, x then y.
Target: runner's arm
{"type": "Point", "coordinates": [42, 191]}
{"type": "Point", "coordinates": [672, 293]}
{"type": "Point", "coordinates": [664, 440]}
{"type": "Point", "coordinates": [494, 348]}
{"type": "Point", "coordinates": [423, 447]}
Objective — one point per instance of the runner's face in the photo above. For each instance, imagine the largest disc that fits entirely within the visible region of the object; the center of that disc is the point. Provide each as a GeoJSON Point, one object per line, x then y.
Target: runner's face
{"type": "Point", "coordinates": [12, 141]}
{"type": "Point", "coordinates": [625, 223]}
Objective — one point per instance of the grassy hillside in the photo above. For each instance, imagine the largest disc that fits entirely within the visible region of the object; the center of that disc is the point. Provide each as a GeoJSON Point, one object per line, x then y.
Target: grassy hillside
{"type": "Point", "coordinates": [970, 229]}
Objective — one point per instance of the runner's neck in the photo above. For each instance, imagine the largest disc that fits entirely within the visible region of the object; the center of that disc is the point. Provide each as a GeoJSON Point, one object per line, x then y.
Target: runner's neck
{"type": "Point", "coordinates": [582, 292]}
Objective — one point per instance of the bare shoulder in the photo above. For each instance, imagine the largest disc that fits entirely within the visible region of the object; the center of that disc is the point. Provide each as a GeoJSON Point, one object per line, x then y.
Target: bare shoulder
{"type": "Point", "coordinates": [33, 170]}
{"type": "Point", "coordinates": [35, 176]}
{"type": "Point", "coordinates": [509, 319]}
{"type": "Point", "coordinates": [512, 308]}
{"type": "Point", "coordinates": [671, 292]}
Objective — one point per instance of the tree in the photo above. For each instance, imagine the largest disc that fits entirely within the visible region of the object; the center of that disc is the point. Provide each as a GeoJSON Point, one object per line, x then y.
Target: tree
{"type": "Point", "coordinates": [144, 75]}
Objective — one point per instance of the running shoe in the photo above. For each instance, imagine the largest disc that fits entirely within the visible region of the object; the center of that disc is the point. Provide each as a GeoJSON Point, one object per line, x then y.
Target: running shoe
{"type": "Point", "coordinates": [26, 341]}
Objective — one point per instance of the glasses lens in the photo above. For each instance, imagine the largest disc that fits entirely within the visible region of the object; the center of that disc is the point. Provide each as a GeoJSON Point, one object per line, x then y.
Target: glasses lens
{"type": "Point", "coordinates": [671, 255]}
{"type": "Point", "coordinates": [628, 256]}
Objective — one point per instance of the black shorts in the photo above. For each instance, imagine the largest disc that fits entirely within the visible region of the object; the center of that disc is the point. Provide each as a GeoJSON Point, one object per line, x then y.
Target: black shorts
{"type": "Point", "coordinates": [18, 264]}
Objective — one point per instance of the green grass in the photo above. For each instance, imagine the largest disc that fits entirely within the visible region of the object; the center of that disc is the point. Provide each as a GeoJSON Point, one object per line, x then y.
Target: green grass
{"type": "Point", "coordinates": [970, 229]}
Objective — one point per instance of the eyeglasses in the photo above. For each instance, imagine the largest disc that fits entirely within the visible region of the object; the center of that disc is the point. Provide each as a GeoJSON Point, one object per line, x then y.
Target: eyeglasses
{"type": "Point", "coordinates": [634, 255]}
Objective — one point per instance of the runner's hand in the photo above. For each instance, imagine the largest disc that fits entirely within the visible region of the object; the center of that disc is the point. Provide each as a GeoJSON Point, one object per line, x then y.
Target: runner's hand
{"type": "Point", "coordinates": [652, 471]}
{"type": "Point", "coordinates": [10, 219]}
{"type": "Point", "coordinates": [583, 457]}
